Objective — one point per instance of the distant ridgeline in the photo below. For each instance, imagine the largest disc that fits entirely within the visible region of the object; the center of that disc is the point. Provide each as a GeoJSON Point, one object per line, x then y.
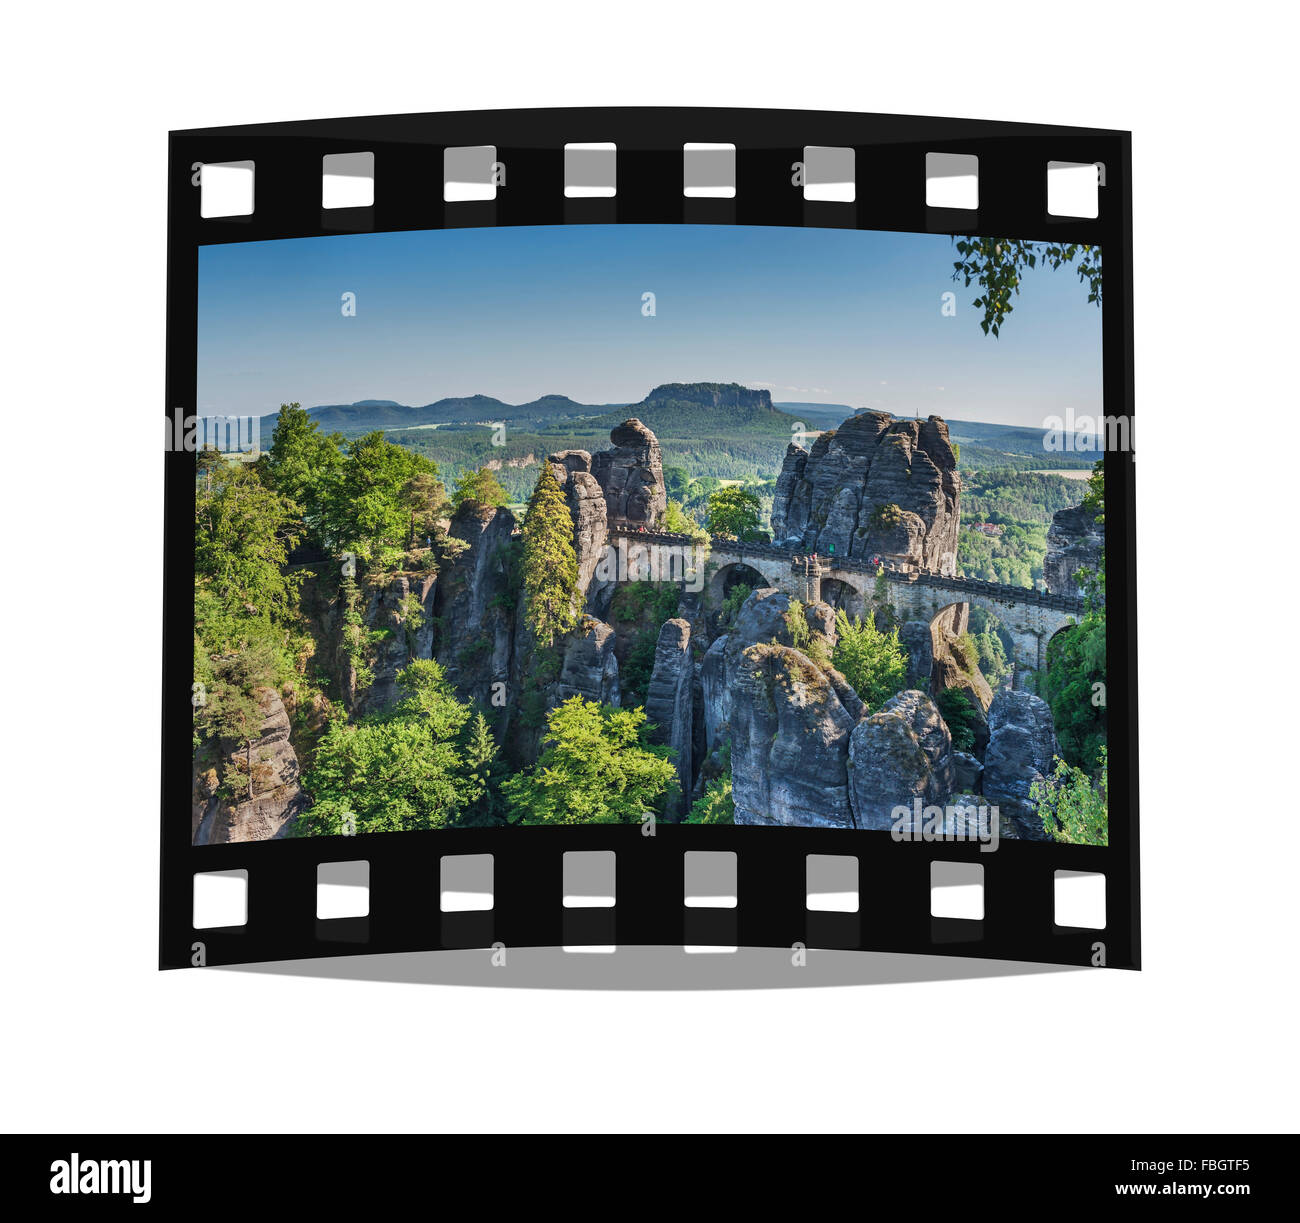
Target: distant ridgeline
{"type": "Point", "coordinates": [730, 423]}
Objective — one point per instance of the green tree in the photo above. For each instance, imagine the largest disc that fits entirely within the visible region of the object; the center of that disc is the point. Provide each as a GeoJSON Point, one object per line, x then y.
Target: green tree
{"type": "Point", "coordinates": [1072, 806]}
{"type": "Point", "coordinates": [483, 766]}
{"type": "Point", "coordinates": [734, 511]}
{"type": "Point", "coordinates": [548, 564]}
{"type": "Point", "coordinates": [369, 511]}
{"type": "Point", "coordinates": [232, 712]}
{"type": "Point", "coordinates": [479, 487]}
{"type": "Point", "coordinates": [677, 482]}
{"type": "Point", "coordinates": [874, 663]}
{"type": "Point", "coordinates": [714, 806]}
{"type": "Point", "coordinates": [734, 601]}
{"type": "Point", "coordinates": [1074, 681]}
{"type": "Point", "coordinates": [596, 767]}
{"type": "Point", "coordinates": [998, 265]}
{"type": "Point", "coordinates": [243, 531]}
{"type": "Point", "coordinates": [418, 766]}
{"type": "Point", "coordinates": [677, 520]}
{"type": "Point", "coordinates": [425, 501]}
{"type": "Point", "coordinates": [303, 463]}
{"type": "Point", "coordinates": [886, 516]}
{"type": "Point", "coordinates": [208, 462]}
{"type": "Point", "coordinates": [958, 712]}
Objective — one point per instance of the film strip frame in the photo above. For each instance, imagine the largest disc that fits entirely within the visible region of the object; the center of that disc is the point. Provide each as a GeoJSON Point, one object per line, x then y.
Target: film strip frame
{"type": "Point", "coordinates": [771, 908]}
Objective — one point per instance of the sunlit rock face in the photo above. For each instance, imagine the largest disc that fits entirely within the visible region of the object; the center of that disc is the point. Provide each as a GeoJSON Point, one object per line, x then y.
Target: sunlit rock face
{"type": "Point", "coordinates": [874, 486]}
{"type": "Point", "coordinates": [631, 475]}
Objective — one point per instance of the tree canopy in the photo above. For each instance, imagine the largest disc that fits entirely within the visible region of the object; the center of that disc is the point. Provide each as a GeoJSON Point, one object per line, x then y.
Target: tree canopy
{"type": "Point", "coordinates": [596, 767]}
{"type": "Point", "coordinates": [997, 265]}
{"type": "Point", "coordinates": [480, 487]}
{"type": "Point", "coordinates": [734, 511]}
{"type": "Point", "coordinates": [422, 764]}
{"type": "Point", "coordinates": [549, 564]}
{"type": "Point", "coordinates": [874, 663]}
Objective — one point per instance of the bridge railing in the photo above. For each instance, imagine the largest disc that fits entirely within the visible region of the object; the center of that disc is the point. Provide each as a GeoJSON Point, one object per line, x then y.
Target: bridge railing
{"type": "Point", "coordinates": [743, 548]}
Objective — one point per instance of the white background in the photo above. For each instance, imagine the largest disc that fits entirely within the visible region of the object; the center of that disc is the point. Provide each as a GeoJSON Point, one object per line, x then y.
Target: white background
{"type": "Point", "coordinates": [94, 1037]}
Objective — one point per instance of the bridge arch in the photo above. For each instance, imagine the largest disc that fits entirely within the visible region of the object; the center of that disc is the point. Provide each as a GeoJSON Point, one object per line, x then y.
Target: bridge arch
{"type": "Point", "coordinates": [1030, 622]}
{"type": "Point", "coordinates": [842, 595]}
{"type": "Point", "coordinates": [727, 577]}
{"type": "Point", "coordinates": [726, 572]}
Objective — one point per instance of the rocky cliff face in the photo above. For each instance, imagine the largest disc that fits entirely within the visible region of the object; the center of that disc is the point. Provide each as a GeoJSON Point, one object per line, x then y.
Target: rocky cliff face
{"type": "Point", "coordinates": [590, 513]}
{"type": "Point", "coordinates": [271, 802]}
{"type": "Point", "coordinates": [403, 607]}
{"type": "Point", "coordinates": [789, 741]}
{"type": "Point", "coordinates": [631, 475]}
{"type": "Point", "coordinates": [902, 753]}
{"type": "Point", "coordinates": [832, 498]}
{"type": "Point", "coordinates": [670, 700]}
{"type": "Point", "coordinates": [589, 668]}
{"type": "Point", "coordinates": [1075, 541]}
{"type": "Point", "coordinates": [1022, 744]}
{"type": "Point", "coordinates": [474, 621]}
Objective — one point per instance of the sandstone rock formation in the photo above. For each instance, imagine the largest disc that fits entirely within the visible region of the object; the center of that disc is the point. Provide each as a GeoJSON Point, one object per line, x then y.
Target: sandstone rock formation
{"type": "Point", "coordinates": [715, 694]}
{"type": "Point", "coordinates": [917, 641]}
{"type": "Point", "coordinates": [669, 703]}
{"type": "Point", "coordinates": [474, 637]}
{"type": "Point", "coordinates": [1022, 745]}
{"type": "Point", "coordinates": [967, 772]}
{"type": "Point", "coordinates": [588, 508]}
{"type": "Point", "coordinates": [272, 801]}
{"type": "Point", "coordinates": [897, 755]}
{"type": "Point", "coordinates": [832, 498]}
{"type": "Point", "coordinates": [631, 475]}
{"type": "Point", "coordinates": [589, 668]}
{"type": "Point", "coordinates": [789, 742]}
{"type": "Point", "coordinates": [409, 623]}
{"type": "Point", "coordinates": [1075, 540]}
{"type": "Point", "coordinates": [786, 719]}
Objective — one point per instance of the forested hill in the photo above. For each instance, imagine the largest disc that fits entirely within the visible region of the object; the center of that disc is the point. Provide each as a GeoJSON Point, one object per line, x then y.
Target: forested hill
{"type": "Point", "coordinates": [366, 415]}
{"type": "Point", "coordinates": [691, 409]}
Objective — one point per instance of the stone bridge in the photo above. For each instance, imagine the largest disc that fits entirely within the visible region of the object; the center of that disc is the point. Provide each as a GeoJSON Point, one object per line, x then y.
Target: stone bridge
{"type": "Point", "coordinates": [1032, 617]}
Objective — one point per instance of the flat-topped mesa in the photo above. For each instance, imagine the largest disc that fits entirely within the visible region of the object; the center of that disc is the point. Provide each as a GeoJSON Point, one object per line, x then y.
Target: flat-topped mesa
{"type": "Point", "coordinates": [874, 486]}
{"type": "Point", "coordinates": [631, 475]}
{"type": "Point", "coordinates": [710, 395]}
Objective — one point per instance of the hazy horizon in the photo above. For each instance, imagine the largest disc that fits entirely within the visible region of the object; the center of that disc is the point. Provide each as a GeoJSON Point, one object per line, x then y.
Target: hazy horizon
{"type": "Point", "coordinates": [818, 316]}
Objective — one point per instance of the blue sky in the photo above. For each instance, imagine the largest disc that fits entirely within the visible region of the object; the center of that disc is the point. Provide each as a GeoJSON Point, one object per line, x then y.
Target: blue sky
{"type": "Point", "coordinates": [836, 316]}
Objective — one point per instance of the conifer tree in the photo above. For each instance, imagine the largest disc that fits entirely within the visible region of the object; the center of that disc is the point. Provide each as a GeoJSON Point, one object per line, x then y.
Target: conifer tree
{"type": "Point", "coordinates": [549, 564]}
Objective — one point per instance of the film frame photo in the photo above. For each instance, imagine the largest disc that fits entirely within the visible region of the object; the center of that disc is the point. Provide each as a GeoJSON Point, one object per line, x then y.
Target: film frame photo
{"type": "Point", "coordinates": [649, 527]}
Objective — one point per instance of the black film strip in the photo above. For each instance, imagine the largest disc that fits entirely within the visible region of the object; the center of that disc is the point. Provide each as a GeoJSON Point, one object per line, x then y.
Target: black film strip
{"type": "Point", "coordinates": [771, 904]}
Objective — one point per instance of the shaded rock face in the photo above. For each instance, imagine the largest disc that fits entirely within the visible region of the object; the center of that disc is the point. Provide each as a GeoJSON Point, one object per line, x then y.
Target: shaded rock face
{"type": "Point", "coordinates": [954, 666]}
{"type": "Point", "coordinates": [475, 636]}
{"type": "Point", "coordinates": [787, 720]}
{"type": "Point", "coordinates": [826, 497]}
{"type": "Point", "coordinates": [967, 771]}
{"type": "Point", "coordinates": [274, 800]}
{"type": "Point", "coordinates": [789, 742]}
{"type": "Point", "coordinates": [589, 668]}
{"type": "Point", "coordinates": [587, 507]}
{"type": "Point", "coordinates": [917, 641]}
{"type": "Point", "coordinates": [897, 755]}
{"type": "Point", "coordinates": [410, 629]}
{"type": "Point", "coordinates": [669, 703]}
{"type": "Point", "coordinates": [714, 694]}
{"type": "Point", "coordinates": [761, 619]}
{"type": "Point", "coordinates": [1022, 745]}
{"type": "Point", "coordinates": [1075, 540]}
{"type": "Point", "coordinates": [821, 619]}
{"type": "Point", "coordinates": [631, 475]}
